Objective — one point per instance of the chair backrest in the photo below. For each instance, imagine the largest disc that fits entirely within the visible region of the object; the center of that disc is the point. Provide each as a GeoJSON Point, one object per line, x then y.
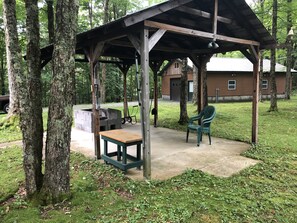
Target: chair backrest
{"type": "Point", "coordinates": [209, 113]}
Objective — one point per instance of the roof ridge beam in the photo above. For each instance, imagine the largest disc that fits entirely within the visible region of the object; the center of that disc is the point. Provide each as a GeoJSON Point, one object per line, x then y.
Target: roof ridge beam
{"type": "Point", "coordinates": [197, 33]}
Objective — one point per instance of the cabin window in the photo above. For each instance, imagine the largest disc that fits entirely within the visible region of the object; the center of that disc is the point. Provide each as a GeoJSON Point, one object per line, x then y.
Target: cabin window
{"type": "Point", "coordinates": [232, 85]}
{"type": "Point", "coordinates": [176, 65]}
{"type": "Point", "coordinates": [264, 84]}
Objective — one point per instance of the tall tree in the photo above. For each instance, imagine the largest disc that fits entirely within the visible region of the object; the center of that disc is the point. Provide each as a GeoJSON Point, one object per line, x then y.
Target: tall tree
{"type": "Point", "coordinates": [13, 53]}
{"type": "Point", "coordinates": [56, 183]}
{"type": "Point", "coordinates": [183, 115]}
{"type": "Point", "coordinates": [103, 76]}
{"type": "Point", "coordinates": [2, 61]}
{"type": "Point", "coordinates": [289, 44]}
{"type": "Point", "coordinates": [2, 73]}
{"type": "Point", "coordinates": [30, 104]}
{"type": "Point", "coordinates": [50, 20]}
{"type": "Point", "coordinates": [273, 88]}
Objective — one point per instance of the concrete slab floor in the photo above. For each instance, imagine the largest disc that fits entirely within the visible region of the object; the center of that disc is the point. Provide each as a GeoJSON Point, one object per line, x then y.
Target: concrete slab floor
{"type": "Point", "coordinates": [171, 155]}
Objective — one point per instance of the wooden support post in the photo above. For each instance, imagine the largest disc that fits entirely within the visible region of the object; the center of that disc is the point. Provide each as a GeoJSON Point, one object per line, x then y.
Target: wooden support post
{"type": "Point", "coordinates": [155, 66]}
{"type": "Point", "coordinates": [93, 54]}
{"type": "Point", "coordinates": [155, 99]}
{"type": "Point", "coordinates": [124, 69]}
{"type": "Point", "coordinates": [144, 50]}
{"type": "Point", "coordinates": [255, 108]}
{"type": "Point", "coordinates": [200, 62]}
{"type": "Point", "coordinates": [95, 108]}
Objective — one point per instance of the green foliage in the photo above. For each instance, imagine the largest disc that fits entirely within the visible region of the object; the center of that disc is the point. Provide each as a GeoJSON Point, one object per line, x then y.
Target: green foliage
{"type": "Point", "coordinates": [114, 84]}
{"type": "Point", "coordinates": [264, 14]}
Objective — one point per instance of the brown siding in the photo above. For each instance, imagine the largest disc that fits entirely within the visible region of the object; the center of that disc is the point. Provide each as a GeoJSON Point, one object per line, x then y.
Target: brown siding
{"type": "Point", "coordinates": [244, 84]}
{"type": "Point", "coordinates": [219, 80]}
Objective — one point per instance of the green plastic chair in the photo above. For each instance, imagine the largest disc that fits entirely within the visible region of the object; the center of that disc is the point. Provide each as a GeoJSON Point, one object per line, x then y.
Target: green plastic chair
{"type": "Point", "coordinates": [206, 116]}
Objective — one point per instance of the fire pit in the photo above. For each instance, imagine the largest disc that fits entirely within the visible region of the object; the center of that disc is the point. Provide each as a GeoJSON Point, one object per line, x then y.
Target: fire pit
{"type": "Point", "coordinates": [109, 119]}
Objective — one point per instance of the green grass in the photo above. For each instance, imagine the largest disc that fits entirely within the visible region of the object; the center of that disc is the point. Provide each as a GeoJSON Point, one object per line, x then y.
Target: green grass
{"type": "Point", "coordinates": [266, 192]}
{"type": "Point", "coordinates": [10, 130]}
{"type": "Point", "coordinates": [11, 171]}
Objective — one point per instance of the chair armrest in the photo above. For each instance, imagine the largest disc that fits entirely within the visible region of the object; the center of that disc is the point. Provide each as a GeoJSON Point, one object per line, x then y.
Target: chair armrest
{"type": "Point", "coordinates": [194, 118]}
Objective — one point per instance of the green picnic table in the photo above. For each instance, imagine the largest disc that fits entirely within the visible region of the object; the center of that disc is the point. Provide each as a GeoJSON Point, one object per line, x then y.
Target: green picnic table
{"type": "Point", "coordinates": [120, 158]}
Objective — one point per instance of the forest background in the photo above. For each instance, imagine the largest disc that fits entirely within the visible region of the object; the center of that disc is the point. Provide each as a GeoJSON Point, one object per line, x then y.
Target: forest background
{"type": "Point", "coordinates": [98, 12]}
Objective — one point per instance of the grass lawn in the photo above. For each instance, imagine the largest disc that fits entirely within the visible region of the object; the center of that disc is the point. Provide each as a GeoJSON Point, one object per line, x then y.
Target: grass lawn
{"type": "Point", "coordinates": [266, 192]}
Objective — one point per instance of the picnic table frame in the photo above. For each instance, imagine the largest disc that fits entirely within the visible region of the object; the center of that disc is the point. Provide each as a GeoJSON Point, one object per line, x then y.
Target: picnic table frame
{"type": "Point", "coordinates": [122, 139]}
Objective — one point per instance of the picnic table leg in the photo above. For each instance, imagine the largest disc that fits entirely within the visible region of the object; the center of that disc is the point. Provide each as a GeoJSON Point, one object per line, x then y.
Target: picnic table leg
{"type": "Point", "coordinates": [125, 154]}
{"type": "Point", "coordinates": [119, 153]}
{"type": "Point", "coordinates": [138, 154]}
{"type": "Point", "coordinates": [105, 148]}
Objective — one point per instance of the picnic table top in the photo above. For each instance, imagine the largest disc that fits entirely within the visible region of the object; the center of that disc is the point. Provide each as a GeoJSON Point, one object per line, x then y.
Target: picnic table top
{"type": "Point", "coordinates": [121, 136]}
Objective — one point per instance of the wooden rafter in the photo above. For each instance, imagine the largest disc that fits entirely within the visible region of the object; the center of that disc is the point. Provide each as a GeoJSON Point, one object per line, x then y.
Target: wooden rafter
{"type": "Point", "coordinates": [203, 14]}
{"type": "Point", "coordinates": [238, 14]}
{"type": "Point", "coordinates": [251, 55]}
{"type": "Point", "coordinates": [154, 39]}
{"type": "Point", "coordinates": [135, 42]}
{"type": "Point", "coordinates": [197, 33]}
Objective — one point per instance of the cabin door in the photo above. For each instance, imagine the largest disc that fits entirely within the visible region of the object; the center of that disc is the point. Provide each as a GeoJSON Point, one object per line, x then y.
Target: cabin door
{"type": "Point", "coordinates": [175, 89]}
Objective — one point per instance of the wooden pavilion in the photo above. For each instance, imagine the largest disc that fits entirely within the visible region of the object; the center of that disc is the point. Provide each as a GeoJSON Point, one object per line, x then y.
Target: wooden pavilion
{"type": "Point", "coordinates": [170, 30]}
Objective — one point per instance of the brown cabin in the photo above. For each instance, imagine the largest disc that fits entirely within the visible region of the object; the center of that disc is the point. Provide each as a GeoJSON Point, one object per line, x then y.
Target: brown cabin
{"type": "Point", "coordinates": [228, 79]}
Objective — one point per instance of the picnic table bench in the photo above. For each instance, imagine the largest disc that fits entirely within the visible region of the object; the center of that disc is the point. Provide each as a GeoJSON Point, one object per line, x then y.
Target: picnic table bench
{"type": "Point", "coordinates": [122, 139]}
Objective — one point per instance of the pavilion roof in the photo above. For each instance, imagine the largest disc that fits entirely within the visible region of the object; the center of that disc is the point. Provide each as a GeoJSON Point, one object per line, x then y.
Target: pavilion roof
{"type": "Point", "coordinates": [189, 26]}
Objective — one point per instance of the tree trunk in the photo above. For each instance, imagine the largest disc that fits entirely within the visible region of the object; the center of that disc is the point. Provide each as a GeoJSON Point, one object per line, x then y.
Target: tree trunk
{"type": "Point", "coordinates": [2, 77]}
{"type": "Point", "coordinates": [90, 7]}
{"type": "Point", "coordinates": [202, 72]}
{"type": "Point", "coordinates": [195, 85]}
{"type": "Point", "coordinates": [13, 54]}
{"type": "Point", "coordinates": [261, 55]}
{"type": "Point", "coordinates": [56, 178]}
{"type": "Point", "coordinates": [103, 77]}
{"type": "Point", "coordinates": [106, 12]}
{"type": "Point", "coordinates": [183, 117]}
{"type": "Point", "coordinates": [30, 104]}
{"type": "Point", "coordinates": [289, 51]}
{"type": "Point", "coordinates": [50, 21]}
{"type": "Point", "coordinates": [273, 89]}
{"type": "Point", "coordinates": [2, 63]}
{"type": "Point", "coordinates": [204, 76]}
{"type": "Point", "coordinates": [261, 74]}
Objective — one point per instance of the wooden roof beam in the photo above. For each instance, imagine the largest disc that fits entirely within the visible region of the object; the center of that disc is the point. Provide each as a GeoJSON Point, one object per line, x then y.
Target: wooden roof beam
{"type": "Point", "coordinates": [197, 33]}
{"type": "Point", "coordinates": [157, 48]}
{"type": "Point", "coordinates": [203, 14]}
{"type": "Point", "coordinates": [155, 10]}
